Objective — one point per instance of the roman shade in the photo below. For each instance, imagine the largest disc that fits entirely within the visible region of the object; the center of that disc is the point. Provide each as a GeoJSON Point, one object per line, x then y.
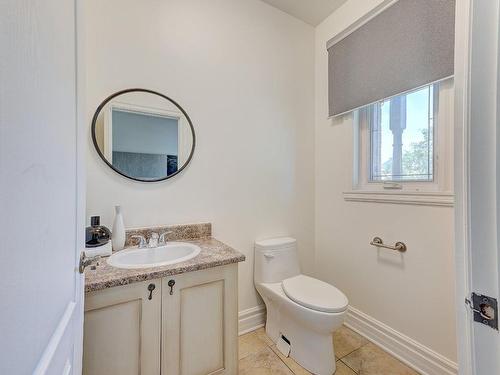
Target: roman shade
{"type": "Point", "coordinates": [406, 46]}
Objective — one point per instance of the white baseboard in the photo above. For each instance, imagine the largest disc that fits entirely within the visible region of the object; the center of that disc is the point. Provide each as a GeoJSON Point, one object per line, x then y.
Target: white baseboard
{"type": "Point", "coordinates": [407, 350]}
{"type": "Point", "coordinates": [251, 319]}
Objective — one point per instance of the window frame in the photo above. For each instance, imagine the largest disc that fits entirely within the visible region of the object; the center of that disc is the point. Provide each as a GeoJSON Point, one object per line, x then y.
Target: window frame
{"type": "Point", "coordinates": [443, 153]}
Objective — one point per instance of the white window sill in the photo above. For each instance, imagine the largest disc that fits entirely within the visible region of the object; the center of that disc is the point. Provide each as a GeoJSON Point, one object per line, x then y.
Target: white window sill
{"type": "Point", "coordinates": [443, 199]}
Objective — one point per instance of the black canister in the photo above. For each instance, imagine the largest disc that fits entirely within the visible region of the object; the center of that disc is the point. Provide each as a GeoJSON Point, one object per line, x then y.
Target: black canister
{"type": "Point", "coordinates": [97, 234]}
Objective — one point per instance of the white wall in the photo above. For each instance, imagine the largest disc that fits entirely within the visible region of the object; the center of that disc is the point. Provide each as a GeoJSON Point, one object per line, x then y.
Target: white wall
{"type": "Point", "coordinates": [413, 293]}
{"type": "Point", "coordinates": [244, 72]}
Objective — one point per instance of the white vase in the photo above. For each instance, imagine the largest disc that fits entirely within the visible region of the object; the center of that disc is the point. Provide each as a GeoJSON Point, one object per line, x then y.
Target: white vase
{"type": "Point", "coordinates": [118, 232]}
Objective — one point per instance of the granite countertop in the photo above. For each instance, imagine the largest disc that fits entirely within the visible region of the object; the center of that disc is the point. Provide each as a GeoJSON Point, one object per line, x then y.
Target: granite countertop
{"type": "Point", "coordinates": [213, 253]}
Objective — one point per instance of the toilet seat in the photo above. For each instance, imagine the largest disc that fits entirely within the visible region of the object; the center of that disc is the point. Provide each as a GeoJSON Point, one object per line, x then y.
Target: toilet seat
{"type": "Point", "coordinates": [314, 294]}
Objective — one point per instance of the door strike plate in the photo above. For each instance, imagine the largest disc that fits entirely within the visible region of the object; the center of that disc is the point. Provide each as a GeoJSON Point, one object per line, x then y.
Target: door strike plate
{"type": "Point", "coordinates": [485, 309]}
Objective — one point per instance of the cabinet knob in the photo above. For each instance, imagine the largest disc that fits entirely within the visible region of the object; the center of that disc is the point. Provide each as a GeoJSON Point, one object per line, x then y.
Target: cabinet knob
{"type": "Point", "coordinates": [151, 287]}
{"type": "Point", "coordinates": [171, 284]}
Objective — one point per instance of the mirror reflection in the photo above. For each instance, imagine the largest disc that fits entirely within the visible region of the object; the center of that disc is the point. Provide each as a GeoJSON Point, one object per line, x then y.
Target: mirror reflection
{"type": "Point", "coordinates": [143, 135]}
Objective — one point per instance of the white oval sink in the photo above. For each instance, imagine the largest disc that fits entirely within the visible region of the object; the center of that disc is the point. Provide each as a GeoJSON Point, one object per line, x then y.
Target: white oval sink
{"type": "Point", "coordinates": [171, 253]}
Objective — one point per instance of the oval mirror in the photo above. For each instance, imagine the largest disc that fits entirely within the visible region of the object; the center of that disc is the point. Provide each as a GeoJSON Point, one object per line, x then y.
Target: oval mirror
{"type": "Point", "coordinates": [143, 135]}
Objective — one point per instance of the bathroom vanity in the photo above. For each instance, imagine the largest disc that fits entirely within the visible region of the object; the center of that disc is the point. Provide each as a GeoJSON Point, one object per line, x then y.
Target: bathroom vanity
{"type": "Point", "coordinates": [175, 319]}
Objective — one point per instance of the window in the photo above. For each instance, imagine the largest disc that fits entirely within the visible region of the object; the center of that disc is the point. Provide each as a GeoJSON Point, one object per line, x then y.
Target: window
{"type": "Point", "coordinates": [402, 135]}
{"type": "Point", "coordinates": [404, 148]}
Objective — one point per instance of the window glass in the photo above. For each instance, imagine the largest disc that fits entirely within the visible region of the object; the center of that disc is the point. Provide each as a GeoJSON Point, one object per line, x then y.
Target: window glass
{"type": "Point", "coordinates": [402, 137]}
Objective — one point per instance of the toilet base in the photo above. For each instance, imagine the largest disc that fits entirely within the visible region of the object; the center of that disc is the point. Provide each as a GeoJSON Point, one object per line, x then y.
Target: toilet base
{"type": "Point", "coordinates": [309, 332]}
{"type": "Point", "coordinates": [311, 350]}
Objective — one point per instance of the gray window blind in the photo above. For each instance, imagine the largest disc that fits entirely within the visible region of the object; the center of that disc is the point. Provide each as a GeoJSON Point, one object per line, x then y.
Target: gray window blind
{"type": "Point", "coordinates": [408, 45]}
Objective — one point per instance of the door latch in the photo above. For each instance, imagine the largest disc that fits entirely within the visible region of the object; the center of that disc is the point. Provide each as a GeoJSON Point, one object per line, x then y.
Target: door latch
{"type": "Point", "coordinates": [485, 309]}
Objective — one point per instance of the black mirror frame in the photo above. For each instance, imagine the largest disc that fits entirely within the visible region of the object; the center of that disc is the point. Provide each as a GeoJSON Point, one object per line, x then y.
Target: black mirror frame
{"type": "Point", "coordinates": [118, 93]}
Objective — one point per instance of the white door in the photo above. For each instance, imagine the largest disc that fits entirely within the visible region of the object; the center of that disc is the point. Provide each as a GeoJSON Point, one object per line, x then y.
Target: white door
{"type": "Point", "coordinates": [41, 196]}
{"type": "Point", "coordinates": [477, 146]}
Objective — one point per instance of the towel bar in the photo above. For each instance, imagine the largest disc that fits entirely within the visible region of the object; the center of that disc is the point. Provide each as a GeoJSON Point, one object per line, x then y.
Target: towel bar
{"type": "Point", "coordinates": [398, 246]}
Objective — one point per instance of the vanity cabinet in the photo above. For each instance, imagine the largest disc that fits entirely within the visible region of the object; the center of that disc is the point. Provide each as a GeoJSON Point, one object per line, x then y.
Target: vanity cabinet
{"type": "Point", "coordinates": [188, 327]}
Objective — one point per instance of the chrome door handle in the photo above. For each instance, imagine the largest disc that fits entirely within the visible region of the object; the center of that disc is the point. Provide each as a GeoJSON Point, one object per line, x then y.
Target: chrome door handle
{"type": "Point", "coordinates": [84, 262]}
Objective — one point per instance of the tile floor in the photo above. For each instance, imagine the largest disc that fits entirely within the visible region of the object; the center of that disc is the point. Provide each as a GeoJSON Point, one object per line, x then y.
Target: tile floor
{"type": "Point", "coordinates": [355, 355]}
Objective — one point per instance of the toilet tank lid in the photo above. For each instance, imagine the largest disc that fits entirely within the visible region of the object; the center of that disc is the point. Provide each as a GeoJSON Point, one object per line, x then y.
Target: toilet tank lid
{"type": "Point", "coordinates": [275, 243]}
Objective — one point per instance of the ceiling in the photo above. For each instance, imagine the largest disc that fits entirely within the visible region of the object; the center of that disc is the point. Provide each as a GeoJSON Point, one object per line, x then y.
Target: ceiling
{"type": "Point", "coordinates": [310, 11]}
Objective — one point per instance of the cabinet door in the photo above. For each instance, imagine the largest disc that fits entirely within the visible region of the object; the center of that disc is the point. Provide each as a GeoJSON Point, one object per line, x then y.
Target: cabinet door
{"type": "Point", "coordinates": [122, 330]}
{"type": "Point", "coordinates": [200, 323]}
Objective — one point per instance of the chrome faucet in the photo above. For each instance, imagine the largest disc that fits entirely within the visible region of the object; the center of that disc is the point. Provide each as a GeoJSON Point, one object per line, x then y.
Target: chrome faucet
{"type": "Point", "coordinates": [155, 240]}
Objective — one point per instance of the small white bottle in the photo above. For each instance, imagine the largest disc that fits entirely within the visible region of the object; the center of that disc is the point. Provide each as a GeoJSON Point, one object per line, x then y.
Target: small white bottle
{"type": "Point", "coordinates": [118, 232]}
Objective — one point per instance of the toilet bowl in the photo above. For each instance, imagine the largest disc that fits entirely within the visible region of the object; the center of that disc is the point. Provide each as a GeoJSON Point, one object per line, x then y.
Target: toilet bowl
{"type": "Point", "coordinates": [302, 312]}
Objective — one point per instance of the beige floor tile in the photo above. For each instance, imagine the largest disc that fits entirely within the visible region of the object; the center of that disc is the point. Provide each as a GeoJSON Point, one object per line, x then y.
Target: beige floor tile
{"type": "Point", "coordinates": [264, 362]}
{"type": "Point", "coordinates": [250, 343]}
{"type": "Point", "coordinates": [346, 341]}
{"type": "Point", "coordinates": [261, 334]}
{"type": "Point", "coordinates": [371, 360]}
{"type": "Point", "coordinates": [292, 365]}
{"type": "Point", "coordinates": [342, 369]}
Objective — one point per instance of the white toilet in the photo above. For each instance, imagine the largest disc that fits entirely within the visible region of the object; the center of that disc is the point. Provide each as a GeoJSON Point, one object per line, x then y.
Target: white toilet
{"type": "Point", "coordinates": [302, 312]}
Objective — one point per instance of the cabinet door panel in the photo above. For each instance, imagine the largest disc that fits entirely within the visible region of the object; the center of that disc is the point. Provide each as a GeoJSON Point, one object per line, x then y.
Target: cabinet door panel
{"type": "Point", "coordinates": [122, 331]}
{"type": "Point", "coordinates": [107, 343]}
{"type": "Point", "coordinates": [200, 323]}
{"type": "Point", "coordinates": [202, 337]}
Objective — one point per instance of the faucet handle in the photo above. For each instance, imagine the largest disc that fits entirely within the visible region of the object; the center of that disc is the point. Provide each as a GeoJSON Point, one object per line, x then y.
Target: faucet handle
{"type": "Point", "coordinates": [163, 240]}
{"type": "Point", "coordinates": [142, 240]}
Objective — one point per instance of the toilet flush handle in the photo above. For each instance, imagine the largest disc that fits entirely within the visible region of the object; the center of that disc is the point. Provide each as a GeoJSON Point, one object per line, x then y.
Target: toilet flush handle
{"type": "Point", "coordinates": [269, 255]}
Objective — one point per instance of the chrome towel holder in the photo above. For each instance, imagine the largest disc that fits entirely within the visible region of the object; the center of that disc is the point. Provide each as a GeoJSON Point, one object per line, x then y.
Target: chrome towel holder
{"type": "Point", "coordinates": [398, 246]}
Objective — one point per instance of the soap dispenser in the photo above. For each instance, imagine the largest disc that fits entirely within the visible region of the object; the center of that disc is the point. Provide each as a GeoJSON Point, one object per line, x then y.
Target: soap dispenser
{"type": "Point", "coordinates": [97, 238]}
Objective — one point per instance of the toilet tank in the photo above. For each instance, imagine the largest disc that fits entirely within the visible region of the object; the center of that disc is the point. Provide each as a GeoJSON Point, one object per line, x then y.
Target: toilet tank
{"type": "Point", "coordinates": [276, 259]}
